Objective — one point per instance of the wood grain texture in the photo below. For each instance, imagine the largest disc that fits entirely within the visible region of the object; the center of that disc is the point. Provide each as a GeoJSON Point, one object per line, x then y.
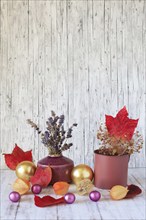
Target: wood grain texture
{"type": "Point", "coordinates": [82, 208]}
{"type": "Point", "coordinates": [81, 58]}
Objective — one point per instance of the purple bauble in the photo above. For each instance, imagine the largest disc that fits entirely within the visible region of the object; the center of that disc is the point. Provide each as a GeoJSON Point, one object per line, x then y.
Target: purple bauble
{"type": "Point", "coordinates": [69, 198]}
{"type": "Point", "coordinates": [36, 189]}
{"type": "Point", "coordinates": [94, 196]}
{"type": "Point", "coordinates": [14, 196]}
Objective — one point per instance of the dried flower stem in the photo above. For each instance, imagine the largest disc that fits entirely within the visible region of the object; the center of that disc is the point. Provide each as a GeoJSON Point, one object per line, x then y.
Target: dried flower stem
{"type": "Point", "coordinates": [110, 145]}
{"type": "Point", "coordinates": [33, 125]}
{"type": "Point", "coordinates": [55, 137]}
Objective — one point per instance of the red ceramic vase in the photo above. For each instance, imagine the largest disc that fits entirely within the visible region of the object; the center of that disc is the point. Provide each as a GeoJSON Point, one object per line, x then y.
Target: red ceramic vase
{"type": "Point", "coordinates": [110, 170]}
{"type": "Point", "coordinates": [61, 167]}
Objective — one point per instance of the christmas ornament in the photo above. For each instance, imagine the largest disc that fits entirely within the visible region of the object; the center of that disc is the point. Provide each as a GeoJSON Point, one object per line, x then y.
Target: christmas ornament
{"type": "Point", "coordinates": [69, 198]}
{"type": "Point", "coordinates": [94, 196]}
{"type": "Point", "coordinates": [36, 189]}
{"type": "Point", "coordinates": [84, 187]}
{"type": "Point", "coordinates": [14, 196]}
{"type": "Point", "coordinates": [81, 172]}
{"type": "Point", "coordinates": [25, 170]}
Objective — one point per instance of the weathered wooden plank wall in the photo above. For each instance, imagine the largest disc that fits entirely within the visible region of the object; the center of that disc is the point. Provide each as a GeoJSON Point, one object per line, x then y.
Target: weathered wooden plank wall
{"type": "Point", "coordinates": [81, 58]}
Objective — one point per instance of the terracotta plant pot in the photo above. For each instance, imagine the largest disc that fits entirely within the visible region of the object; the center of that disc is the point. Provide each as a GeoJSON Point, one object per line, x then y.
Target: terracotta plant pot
{"type": "Point", "coordinates": [110, 170]}
{"type": "Point", "coordinates": [61, 167]}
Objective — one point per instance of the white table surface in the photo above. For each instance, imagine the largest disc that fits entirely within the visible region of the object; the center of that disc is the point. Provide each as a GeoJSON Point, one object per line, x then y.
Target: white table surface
{"type": "Point", "coordinates": [83, 208]}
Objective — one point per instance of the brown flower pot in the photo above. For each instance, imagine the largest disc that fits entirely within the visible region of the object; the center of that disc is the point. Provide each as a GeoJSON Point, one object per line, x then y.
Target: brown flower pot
{"type": "Point", "coordinates": [110, 170]}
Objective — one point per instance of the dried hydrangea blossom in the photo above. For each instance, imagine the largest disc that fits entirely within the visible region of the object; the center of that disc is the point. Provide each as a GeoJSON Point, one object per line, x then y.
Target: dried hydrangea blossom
{"type": "Point", "coordinates": [84, 187]}
{"type": "Point", "coordinates": [111, 145]}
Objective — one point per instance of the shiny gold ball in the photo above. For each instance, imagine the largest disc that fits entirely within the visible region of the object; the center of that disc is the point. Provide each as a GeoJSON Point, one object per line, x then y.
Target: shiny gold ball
{"type": "Point", "coordinates": [80, 172]}
{"type": "Point", "coordinates": [25, 170]}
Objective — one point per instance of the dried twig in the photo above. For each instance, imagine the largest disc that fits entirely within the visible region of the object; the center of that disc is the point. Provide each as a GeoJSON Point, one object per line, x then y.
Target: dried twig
{"type": "Point", "coordinates": [33, 125]}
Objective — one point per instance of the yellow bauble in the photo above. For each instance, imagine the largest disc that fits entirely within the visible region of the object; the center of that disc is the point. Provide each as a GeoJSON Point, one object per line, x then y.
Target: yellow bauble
{"type": "Point", "coordinates": [81, 172]}
{"type": "Point", "coordinates": [25, 170]}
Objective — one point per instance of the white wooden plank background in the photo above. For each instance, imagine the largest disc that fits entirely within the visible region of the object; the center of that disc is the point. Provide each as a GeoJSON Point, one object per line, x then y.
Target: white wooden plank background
{"type": "Point", "coordinates": [83, 208]}
{"type": "Point", "coordinates": [81, 58]}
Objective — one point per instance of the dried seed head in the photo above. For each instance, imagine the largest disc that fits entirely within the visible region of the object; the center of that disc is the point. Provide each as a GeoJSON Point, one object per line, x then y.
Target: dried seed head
{"type": "Point", "coordinates": [53, 113]}
{"type": "Point", "coordinates": [118, 192]}
{"type": "Point", "coordinates": [111, 145]}
{"type": "Point", "coordinates": [33, 125]}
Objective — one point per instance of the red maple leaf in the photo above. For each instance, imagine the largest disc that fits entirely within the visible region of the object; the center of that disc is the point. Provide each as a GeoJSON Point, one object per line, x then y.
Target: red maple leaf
{"type": "Point", "coordinates": [47, 201]}
{"type": "Point", "coordinates": [42, 176]}
{"type": "Point", "coordinates": [121, 126]}
{"type": "Point", "coordinates": [133, 191]}
{"type": "Point", "coordinates": [17, 156]}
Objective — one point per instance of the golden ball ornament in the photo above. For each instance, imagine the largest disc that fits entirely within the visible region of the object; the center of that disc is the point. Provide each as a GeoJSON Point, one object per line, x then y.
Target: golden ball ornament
{"type": "Point", "coordinates": [81, 172]}
{"type": "Point", "coordinates": [25, 170]}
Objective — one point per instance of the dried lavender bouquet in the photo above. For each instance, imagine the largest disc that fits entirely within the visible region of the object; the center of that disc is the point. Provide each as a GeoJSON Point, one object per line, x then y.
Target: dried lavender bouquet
{"type": "Point", "coordinates": [55, 138]}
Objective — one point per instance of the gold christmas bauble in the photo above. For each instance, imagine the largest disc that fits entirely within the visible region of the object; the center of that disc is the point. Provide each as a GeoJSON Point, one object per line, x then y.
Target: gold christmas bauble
{"type": "Point", "coordinates": [25, 170]}
{"type": "Point", "coordinates": [81, 172]}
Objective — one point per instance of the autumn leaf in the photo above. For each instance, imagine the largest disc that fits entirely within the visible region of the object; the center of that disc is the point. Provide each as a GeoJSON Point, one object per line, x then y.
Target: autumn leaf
{"type": "Point", "coordinates": [133, 191]}
{"type": "Point", "coordinates": [17, 156]}
{"type": "Point", "coordinates": [121, 126]}
{"type": "Point", "coordinates": [42, 176]}
{"type": "Point", "coordinates": [47, 201]}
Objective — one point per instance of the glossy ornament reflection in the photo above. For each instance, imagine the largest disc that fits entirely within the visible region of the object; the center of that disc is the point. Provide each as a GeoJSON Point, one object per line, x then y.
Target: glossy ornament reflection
{"type": "Point", "coordinates": [81, 172]}
{"type": "Point", "coordinates": [25, 170]}
{"type": "Point", "coordinates": [14, 196]}
{"type": "Point", "coordinates": [69, 198]}
{"type": "Point", "coordinates": [94, 196]}
{"type": "Point", "coordinates": [36, 189]}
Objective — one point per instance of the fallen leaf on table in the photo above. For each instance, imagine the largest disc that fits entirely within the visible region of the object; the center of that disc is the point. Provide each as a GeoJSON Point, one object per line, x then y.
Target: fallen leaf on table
{"type": "Point", "coordinates": [47, 201]}
{"type": "Point", "coordinates": [133, 191]}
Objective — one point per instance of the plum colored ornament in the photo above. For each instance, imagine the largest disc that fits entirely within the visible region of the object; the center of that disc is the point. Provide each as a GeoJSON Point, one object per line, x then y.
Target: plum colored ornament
{"type": "Point", "coordinates": [69, 198]}
{"type": "Point", "coordinates": [14, 196]}
{"type": "Point", "coordinates": [94, 195]}
{"type": "Point", "coordinates": [36, 189]}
